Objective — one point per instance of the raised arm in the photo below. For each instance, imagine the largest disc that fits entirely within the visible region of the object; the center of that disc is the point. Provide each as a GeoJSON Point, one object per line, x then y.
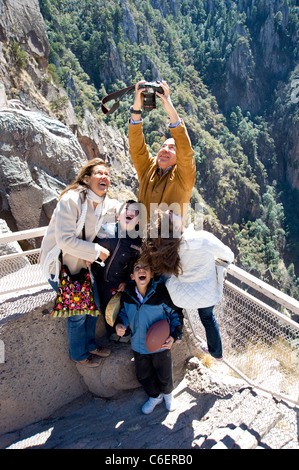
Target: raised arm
{"type": "Point", "coordinates": [167, 103]}
{"type": "Point", "coordinates": [137, 147]}
{"type": "Point", "coordinates": [184, 153]}
{"type": "Point", "coordinates": [185, 162]}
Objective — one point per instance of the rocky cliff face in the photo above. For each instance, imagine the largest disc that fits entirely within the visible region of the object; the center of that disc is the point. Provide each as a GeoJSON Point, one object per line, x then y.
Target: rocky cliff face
{"type": "Point", "coordinates": [23, 22]}
{"type": "Point", "coordinates": [285, 124]}
{"type": "Point", "coordinates": [259, 57]}
{"type": "Point", "coordinates": [41, 154]}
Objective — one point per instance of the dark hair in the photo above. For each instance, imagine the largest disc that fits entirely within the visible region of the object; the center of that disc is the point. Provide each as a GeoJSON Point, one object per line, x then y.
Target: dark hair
{"type": "Point", "coordinates": [128, 202]}
{"type": "Point", "coordinates": [140, 258]}
{"type": "Point", "coordinates": [131, 201]}
{"type": "Point", "coordinates": [85, 171]}
{"type": "Point", "coordinates": [162, 253]}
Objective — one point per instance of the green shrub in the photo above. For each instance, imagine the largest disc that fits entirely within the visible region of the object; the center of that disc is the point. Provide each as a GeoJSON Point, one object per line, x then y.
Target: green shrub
{"type": "Point", "coordinates": [19, 54]}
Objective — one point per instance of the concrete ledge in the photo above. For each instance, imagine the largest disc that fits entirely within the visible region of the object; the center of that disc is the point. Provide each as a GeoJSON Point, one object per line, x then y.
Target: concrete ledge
{"type": "Point", "coordinates": [38, 377]}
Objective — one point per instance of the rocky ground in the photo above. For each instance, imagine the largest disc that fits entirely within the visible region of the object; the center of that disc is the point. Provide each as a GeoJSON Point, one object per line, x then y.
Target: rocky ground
{"type": "Point", "coordinates": [214, 411]}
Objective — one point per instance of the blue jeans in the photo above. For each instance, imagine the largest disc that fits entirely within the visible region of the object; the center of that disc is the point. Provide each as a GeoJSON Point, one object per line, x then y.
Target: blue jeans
{"type": "Point", "coordinates": [81, 331]}
{"type": "Point", "coordinates": [81, 334]}
{"type": "Point", "coordinates": [210, 324]}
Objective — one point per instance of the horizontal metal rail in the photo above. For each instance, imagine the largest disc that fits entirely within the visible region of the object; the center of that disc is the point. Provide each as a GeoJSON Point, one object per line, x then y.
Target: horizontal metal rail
{"type": "Point", "coordinates": [273, 311]}
{"type": "Point", "coordinates": [20, 255]}
{"type": "Point", "coordinates": [266, 289]}
{"type": "Point", "coordinates": [22, 235]}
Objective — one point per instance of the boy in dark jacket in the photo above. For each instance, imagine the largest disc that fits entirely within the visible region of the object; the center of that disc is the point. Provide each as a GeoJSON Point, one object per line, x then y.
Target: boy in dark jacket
{"type": "Point", "coordinates": [123, 241]}
{"type": "Point", "coordinates": [144, 302]}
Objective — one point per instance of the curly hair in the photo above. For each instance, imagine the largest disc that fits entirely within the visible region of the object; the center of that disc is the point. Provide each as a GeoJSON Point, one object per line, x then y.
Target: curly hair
{"type": "Point", "coordinates": [161, 247]}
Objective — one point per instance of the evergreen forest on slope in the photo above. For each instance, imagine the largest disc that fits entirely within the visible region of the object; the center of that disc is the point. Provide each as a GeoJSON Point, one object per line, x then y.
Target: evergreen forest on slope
{"type": "Point", "coordinates": [231, 67]}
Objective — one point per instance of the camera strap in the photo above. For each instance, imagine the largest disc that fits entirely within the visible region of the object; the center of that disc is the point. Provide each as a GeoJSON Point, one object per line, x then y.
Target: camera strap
{"type": "Point", "coordinates": [116, 95]}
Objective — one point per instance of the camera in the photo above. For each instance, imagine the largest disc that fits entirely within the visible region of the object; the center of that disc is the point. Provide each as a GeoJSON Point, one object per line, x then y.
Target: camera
{"type": "Point", "coordinates": [149, 94]}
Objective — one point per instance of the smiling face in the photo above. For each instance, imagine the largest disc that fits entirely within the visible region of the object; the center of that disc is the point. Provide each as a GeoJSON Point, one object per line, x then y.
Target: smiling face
{"type": "Point", "coordinates": [141, 275]}
{"type": "Point", "coordinates": [129, 216]}
{"type": "Point", "coordinates": [99, 180]}
{"type": "Point", "coordinates": [167, 154]}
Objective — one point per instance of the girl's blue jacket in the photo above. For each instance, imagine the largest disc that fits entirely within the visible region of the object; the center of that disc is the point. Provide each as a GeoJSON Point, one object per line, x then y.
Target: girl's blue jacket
{"type": "Point", "coordinates": [156, 306]}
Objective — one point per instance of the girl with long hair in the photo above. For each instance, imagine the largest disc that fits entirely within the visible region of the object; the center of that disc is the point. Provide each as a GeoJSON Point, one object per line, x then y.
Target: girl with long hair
{"type": "Point", "coordinates": [194, 279]}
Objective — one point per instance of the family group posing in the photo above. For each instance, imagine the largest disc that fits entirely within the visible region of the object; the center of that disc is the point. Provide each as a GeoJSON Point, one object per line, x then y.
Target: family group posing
{"type": "Point", "coordinates": [159, 275]}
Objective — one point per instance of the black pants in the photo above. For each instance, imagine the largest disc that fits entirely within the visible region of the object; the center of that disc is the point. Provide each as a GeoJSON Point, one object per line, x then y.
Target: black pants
{"type": "Point", "coordinates": [154, 372]}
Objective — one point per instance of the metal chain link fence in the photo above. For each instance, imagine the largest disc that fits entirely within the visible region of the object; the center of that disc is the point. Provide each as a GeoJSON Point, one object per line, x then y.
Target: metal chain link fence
{"type": "Point", "coordinates": [20, 271]}
{"type": "Point", "coordinates": [262, 346]}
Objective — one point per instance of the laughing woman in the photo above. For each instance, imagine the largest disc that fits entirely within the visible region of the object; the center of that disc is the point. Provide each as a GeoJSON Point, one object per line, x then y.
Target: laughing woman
{"type": "Point", "coordinates": [81, 210]}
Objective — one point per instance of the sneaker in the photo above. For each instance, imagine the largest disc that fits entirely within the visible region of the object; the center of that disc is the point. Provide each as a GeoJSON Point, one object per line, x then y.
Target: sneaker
{"type": "Point", "coordinates": [102, 352]}
{"type": "Point", "coordinates": [205, 349]}
{"type": "Point", "coordinates": [90, 361]}
{"type": "Point", "coordinates": [151, 403]}
{"type": "Point", "coordinates": [169, 401]}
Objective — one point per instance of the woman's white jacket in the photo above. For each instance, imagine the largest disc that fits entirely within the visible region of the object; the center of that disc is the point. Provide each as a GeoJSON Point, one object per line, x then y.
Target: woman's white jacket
{"type": "Point", "coordinates": [201, 283]}
{"type": "Point", "coordinates": [64, 232]}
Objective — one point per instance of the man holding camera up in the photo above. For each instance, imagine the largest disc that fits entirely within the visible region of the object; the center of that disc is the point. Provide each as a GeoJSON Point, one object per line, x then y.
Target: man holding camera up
{"type": "Point", "coordinates": [170, 176]}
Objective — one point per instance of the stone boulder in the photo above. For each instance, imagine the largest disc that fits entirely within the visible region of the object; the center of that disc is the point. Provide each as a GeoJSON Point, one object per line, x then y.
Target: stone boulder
{"type": "Point", "coordinates": [39, 156]}
{"type": "Point", "coordinates": [37, 376]}
{"type": "Point", "coordinates": [117, 372]}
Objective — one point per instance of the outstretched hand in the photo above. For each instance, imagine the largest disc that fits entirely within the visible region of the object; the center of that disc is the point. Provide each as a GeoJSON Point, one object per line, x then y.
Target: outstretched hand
{"type": "Point", "coordinates": [121, 287]}
{"type": "Point", "coordinates": [165, 99]}
{"type": "Point", "coordinates": [138, 102]}
{"type": "Point", "coordinates": [167, 103]}
{"type": "Point", "coordinates": [166, 96]}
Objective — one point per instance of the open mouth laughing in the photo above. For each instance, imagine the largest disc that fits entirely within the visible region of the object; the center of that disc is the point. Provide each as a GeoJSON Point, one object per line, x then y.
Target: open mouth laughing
{"type": "Point", "coordinates": [131, 214]}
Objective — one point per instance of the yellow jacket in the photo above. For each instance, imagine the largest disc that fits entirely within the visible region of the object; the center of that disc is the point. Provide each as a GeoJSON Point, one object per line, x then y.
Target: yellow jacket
{"type": "Point", "coordinates": [176, 184]}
